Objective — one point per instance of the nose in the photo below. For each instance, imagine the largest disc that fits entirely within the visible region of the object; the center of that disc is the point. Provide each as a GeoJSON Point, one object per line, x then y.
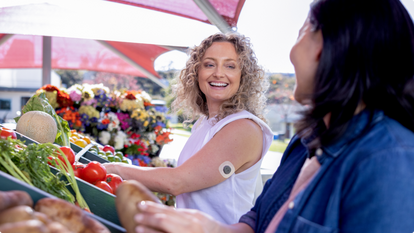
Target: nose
{"type": "Point", "coordinates": [219, 72]}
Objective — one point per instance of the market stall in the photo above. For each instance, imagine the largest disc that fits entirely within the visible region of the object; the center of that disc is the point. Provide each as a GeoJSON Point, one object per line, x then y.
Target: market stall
{"type": "Point", "coordinates": [88, 125]}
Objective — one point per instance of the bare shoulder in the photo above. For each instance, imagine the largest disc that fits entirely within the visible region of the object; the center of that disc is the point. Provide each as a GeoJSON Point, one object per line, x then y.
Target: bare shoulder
{"type": "Point", "coordinates": [243, 126]}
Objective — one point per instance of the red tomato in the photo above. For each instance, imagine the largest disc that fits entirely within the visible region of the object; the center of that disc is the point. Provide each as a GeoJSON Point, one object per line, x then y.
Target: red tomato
{"type": "Point", "coordinates": [93, 172]}
{"type": "Point", "coordinates": [69, 154]}
{"type": "Point", "coordinates": [105, 186]}
{"type": "Point", "coordinates": [114, 181]}
{"type": "Point", "coordinates": [109, 148]}
{"type": "Point", "coordinates": [77, 169]}
{"type": "Point", "coordinates": [5, 133]}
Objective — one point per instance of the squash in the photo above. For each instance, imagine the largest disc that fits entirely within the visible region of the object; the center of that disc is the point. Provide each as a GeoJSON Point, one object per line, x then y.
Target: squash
{"type": "Point", "coordinates": [38, 126]}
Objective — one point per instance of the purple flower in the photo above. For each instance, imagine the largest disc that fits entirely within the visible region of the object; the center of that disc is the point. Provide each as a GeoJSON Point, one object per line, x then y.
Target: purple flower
{"type": "Point", "coordinates": [162, 109]}
{"type": "Point", "coordinates": [101, 126]}
{"type": "Point", "coordinates": [84, 117]}
{"type": "Point", "coordinates": [135, 162]}
{"type": "Point", "coordinates": [159, 123]}
{"type": "Point", "coordinates": [123, 120]}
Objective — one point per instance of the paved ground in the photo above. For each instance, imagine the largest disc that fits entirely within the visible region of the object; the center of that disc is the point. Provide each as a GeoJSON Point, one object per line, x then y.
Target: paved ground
{"type": "Point", "coordinates": [172, 150]}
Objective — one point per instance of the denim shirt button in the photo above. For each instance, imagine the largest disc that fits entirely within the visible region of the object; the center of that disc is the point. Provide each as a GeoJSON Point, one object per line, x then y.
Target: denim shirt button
{"type": "Point", "coordinates": [319, 152]}
{"type": "Point", "coordinates": [291, 205]}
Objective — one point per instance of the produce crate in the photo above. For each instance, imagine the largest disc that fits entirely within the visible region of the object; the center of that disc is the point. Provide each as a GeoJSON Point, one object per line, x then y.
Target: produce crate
{"type": "Point", "coordinates": [9, 183]}
{"type": "Point", "coordinates": [26, 140]}
{"type": "Point", "coordinates": [88, 154]}
{"type": "Point", "coordinates": [100, 202]}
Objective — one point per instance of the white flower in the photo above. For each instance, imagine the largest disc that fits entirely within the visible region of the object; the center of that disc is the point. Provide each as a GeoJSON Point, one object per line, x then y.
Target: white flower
{"type": "Point", "coordinates": [114, 121]}
{"type": "Point", "coordinates": [104, 137]}
{"type": "Point", "coordinates": [151, 136]}
{"type": "Point", "coordinates": [122, 138]}
{"type": "Point", "coordinates": [119, 142]}
{"type": "Point", "coordinates": [154, 148]}
{"type": "Point", "coordinates": [145, 96]}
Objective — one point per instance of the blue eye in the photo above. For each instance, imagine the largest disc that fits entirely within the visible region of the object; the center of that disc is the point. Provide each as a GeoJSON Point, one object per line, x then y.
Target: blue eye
{"type": "Point", "coordinates": [208, 65]}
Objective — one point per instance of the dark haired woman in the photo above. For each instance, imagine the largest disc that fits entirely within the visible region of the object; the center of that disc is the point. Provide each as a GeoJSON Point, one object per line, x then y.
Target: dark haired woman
{"type": "Point", "coordinates": [351, 166]}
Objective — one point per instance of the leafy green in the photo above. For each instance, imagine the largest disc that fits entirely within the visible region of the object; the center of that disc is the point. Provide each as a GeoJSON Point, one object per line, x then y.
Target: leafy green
{"type": "Point", "coordinates": [39, 102]}
{"type": "Point", "coordinates": [30, 165]}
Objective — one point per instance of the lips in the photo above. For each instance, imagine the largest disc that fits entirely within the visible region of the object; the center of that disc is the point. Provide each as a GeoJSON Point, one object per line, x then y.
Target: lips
{"type": "Point", "coordinates": [217, 84]}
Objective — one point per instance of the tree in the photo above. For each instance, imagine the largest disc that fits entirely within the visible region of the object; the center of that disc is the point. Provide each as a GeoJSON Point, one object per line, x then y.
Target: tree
{"type": "Point", "coordinates": [70, 77]}
{"type": "Point", "coordinates": [281, 93]}
{"type": "Point", "coordinates": [116, 81]}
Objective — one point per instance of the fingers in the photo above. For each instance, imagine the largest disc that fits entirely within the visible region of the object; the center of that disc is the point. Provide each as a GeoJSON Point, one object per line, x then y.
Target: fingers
{"type": "Point", "coordinates": [143, 229]}
{"type": "Point", "coordinates": [159, 218]}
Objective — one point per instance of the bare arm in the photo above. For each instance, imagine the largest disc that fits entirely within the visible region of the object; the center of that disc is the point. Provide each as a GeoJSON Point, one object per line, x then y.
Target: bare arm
{"type": "Point", "coordinates": [240, 142]}
{"type": "Point", "coordinates": [160, 218]}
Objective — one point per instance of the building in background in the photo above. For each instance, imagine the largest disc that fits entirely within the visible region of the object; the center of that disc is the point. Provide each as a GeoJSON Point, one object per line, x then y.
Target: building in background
{"type": "Point", "coordinates": [16, 88]}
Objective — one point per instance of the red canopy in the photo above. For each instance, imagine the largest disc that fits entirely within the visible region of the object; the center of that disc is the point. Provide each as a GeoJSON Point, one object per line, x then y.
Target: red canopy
{"type": "Point", "coordinates": [25, 51]}
{"type": "Point", "coordinates": [228, 9]}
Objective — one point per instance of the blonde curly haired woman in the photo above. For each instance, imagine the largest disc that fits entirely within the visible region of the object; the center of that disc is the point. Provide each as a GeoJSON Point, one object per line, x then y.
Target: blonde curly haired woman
{"type": "Point", "coordinates": [218, 169]}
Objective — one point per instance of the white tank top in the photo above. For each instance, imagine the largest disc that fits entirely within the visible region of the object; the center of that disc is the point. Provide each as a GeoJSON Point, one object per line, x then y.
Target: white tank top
{"type": "Point", "coordinates": [229, 200]}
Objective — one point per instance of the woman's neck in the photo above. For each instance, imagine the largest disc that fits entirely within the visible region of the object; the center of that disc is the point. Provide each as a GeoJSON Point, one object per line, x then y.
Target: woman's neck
{"type": "Point", "coordinates": [327, 118]}
{"type": "Point", "coordinates": [213, 109]}
{"type": "Point", "coordinates": [212, 114]}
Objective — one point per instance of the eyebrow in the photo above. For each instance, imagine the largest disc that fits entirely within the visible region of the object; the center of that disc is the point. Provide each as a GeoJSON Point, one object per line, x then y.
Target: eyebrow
{"type": "Point", "coordinates": [227, 59]}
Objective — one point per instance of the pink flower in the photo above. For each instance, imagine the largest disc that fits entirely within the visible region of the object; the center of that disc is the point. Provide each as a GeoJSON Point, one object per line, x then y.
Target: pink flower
{"type": "Point", "coordinates": [75, 95]}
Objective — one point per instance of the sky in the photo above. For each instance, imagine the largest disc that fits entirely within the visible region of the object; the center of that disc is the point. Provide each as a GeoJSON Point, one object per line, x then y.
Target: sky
{"type": "Point", "coordinates": [272, 26]}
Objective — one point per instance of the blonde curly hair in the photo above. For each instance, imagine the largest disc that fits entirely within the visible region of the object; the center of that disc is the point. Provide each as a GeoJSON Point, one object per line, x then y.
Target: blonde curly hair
{"type": "Point", "coordinates": [253, 84]}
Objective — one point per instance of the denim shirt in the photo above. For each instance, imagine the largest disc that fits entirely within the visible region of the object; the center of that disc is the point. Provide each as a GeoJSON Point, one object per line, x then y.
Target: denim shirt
{"type": "Point", "coordinates": [365, 183]}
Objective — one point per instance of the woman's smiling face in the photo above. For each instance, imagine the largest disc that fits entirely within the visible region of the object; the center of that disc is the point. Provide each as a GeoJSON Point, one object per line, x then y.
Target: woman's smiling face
{"type": "Point", "coordinates": [219, 74]}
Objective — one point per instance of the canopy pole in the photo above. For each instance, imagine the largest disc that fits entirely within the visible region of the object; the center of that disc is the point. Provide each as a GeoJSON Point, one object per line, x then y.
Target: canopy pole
{"type": "Point", "coordinates": [47, 60]}
{"type": "Point", "coordinates": [5, 38]}
{"type": "Point", "coordinates": [133, 63]}
{"type": "Point", "coordinates": [213, 16]}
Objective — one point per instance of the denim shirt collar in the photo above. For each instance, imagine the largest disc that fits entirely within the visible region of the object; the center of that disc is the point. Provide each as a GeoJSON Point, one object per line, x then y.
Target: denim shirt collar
{"type": "Point", "coordinates": [355, 127]}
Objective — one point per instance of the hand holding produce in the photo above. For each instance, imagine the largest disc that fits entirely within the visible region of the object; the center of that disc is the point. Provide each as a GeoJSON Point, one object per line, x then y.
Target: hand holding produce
{"type": "Point", "coordinates": [128, 195]}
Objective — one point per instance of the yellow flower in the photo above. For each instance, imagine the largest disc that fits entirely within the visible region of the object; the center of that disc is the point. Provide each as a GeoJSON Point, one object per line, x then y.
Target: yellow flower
{"type": "Point", "coordinates": [88, 110]}
{"type": "Point", "coordinates": [52, 97]}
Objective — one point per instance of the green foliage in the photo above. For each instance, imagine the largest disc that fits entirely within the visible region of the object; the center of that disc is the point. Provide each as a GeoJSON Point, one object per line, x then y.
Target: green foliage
{"type": "Point", "coordinates": [278, 146]}
{"type": "Point", "coordinates": [281, 89]}
{"type": "Point", "coordinates": [70, 77]}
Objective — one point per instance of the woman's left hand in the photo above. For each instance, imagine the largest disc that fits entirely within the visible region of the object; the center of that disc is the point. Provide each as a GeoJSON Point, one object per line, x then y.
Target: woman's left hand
{"type": "Point", "coordinates": [156, 217]}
